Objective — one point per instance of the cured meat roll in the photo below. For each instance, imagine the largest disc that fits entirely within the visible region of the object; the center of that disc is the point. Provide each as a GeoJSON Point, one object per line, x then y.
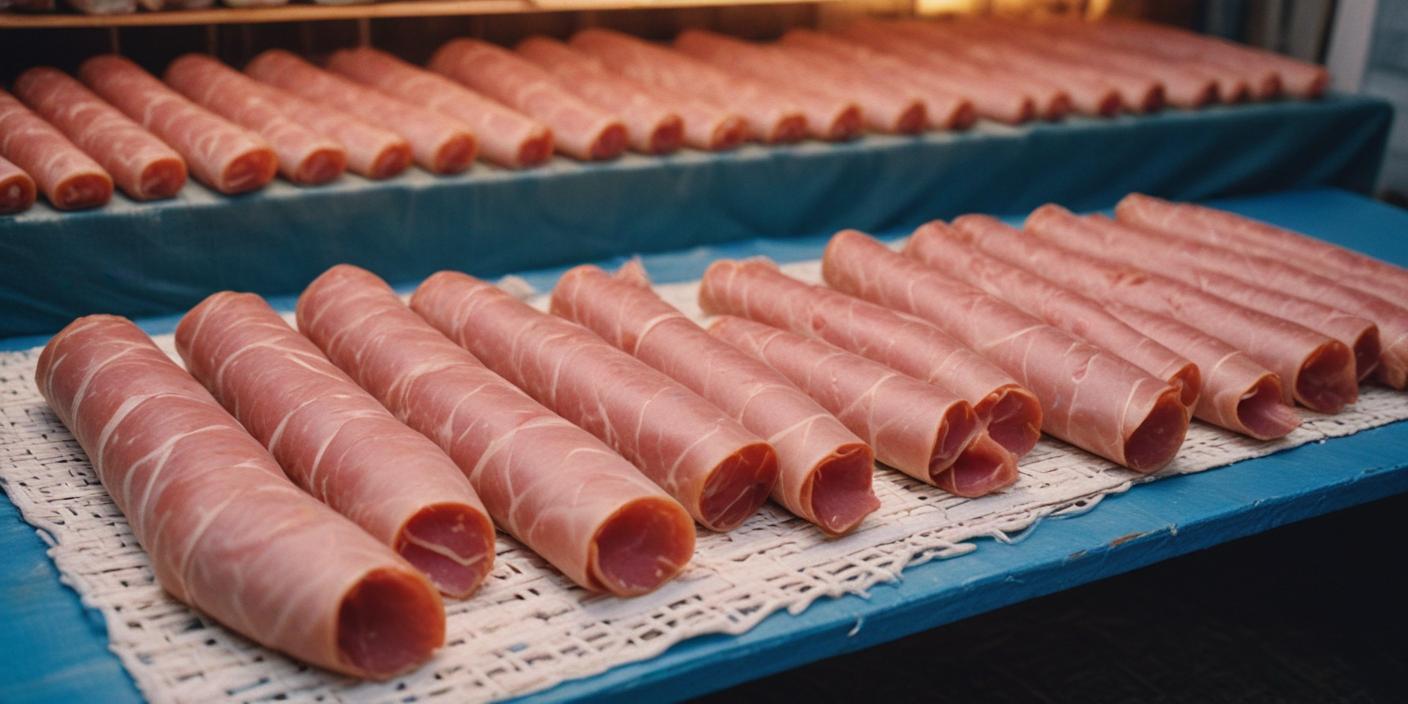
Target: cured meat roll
{"type": "Point", "coordinates": [506, 138]}
{"type": "Point", "coordinates": [756, 289]}
{"type": "Point", "coordinates": [719, 471]}
{"type": "Point", "coordinates": [69, 179]}
{"type": "Point", "coordinates": [770, 117]}
{"type": "Point", "coordinates": [579, 128]}
{"type": "Point", "coordinates": [1297, 79]}
{"type": "Point", "coordinates": [226, 531]}
{"type": "Point", "coordinates": [16, 189]}
{"type": "Point", "coordinates": [1090, 398]}
{"type": "Point", "coordinates": [438, 143]}
{"type": "Point", "coordinates": [824, 470]}
{"type": "Point", "coordinates": [223, 156]}
{"type": "Point", "coordinates": [550, 484]}
{"type": "Point", "coordinates": [917, 428]}
{"type": "Point", "coordinates": [305, 156]}
{"type": "Point", "coordinates": [372, 152]}
{"type": "Point", "coordinates": [336, 441]}
{"type": "Point", "coordinates": [654, 126]}
{"type": "Point", "coordinates": [140, 164]}
{"type": "Point", "coordinates": [951, 252]}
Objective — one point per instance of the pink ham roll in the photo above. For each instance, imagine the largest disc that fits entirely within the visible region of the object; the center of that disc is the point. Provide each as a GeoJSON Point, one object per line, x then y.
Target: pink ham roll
{"type": "Point", "coordinates": [225, 530]}
{"type": "Point", "coordinates": [438, 143]}
{"type": "Point", "coordinates": [579, 128]}
{"type": "Point", "coordinates": [69, 179]}
{"type": "Point", "coordinates": [1233, 82]}
{"type": "Point", "coordinates": [223, 156]}
{"type": "Point", "coordinates": [16, 188]}
{"type": "Point", "coordinates": [1090, 397]}
{"type": "Point", "coordinates": [770, 117]}
{"type": "Point", "coordinates": [372, 152]}
{"type": "Point", "coordinates": [140, 164]}
{"type": "Point", "coordinates": [507, 138]}
{"type": "Point", "coordinates": [757, 290]}
{"type": "Point", "coordinates": [550, 484]}
{"type": "Point", "coordinates": [653, 125]}
{"type": "Point", "coordinates": [1295, 78]}
{"type": "Point", "coordinates": [305, 156]}
{"type": "Point", "coordinates": [336, 441]}
{"type": "Point", "coordinates": [824, 470]}
{"type": "Point", "coordinates": [917, 428]}
{"type": "Point", "coordinates": [718, 470]}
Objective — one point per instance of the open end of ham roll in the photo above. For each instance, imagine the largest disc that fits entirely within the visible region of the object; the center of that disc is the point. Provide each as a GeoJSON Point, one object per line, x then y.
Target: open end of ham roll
{"type": "Point", "coordinates": [668, 136]}
{"type": "Point", "coordinates": [1014, 418]}
{"type": "Point", "coordinates": [16, 193]}
{"type": "Point", "coordinates": [848, 123]}
{"type": "Point", "coordinates": [321, 166]}
{"type": "Point", "coordinates": [1325, 382]}
{"type": "Point", "coordinates": [1205, 95]}
{"type": "Point", "coordinates": [1109, 104]}
{"type": "Point", "coordinates": [162, 178]}
{"type": "Point", "coordinates": [1155, 442]}
{"type": "Point", "coordinates": [610, 142]}
{"type": "Point", "coordinates": [536, 149]}
{"type": "Point", "coordinates": [959, 427]}
{"type": "Point", "coordinates": [738, 486]}
{"type": "Point", "coordinates": [1367, 351]}
{"type": "Point", "coordinates": [390, 621]}
{"type": "Point", "coordinates": [963, 116]}
{"type": "Point", "coordinates": [1056, 107]}
{"type": "Point", "coordinates": [790, 128]}
{"type": "Point", "coordinates": [912, 119]}
{"type": "Point", "coordinates": [1267, 87]}
{"type": "Point", "coordinates": [642, 546]}
{"type": "Point", "coordinates": [456, 154]}
{"type": "Point", "coordinates": [1151, 100]}
{"type": "Point", "coordinates": [1233, 91]}
{"type": "Point", "coordinates": [1189, 382]}
{"type": "Point", "coordinates": [249, 171]}
{"type": "Point", "coordinates": [88, 190]}
{"type": "Point", "coordinates": [729, 133]}
{"type": "Point", "coordinates": [390, 162]}
{"type": "Point", "coordinates": [453, 544]}
{"type": "Point", "coordinates": [1262, 412]}
{"type": "Point", "coordinates": [981, 468]}
{"type": "Point", "coordinates": [841, 489]}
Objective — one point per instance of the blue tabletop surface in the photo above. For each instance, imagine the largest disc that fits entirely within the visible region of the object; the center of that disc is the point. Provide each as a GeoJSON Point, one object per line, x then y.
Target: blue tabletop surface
{"type": "Point", "coordinates": [53, 649]}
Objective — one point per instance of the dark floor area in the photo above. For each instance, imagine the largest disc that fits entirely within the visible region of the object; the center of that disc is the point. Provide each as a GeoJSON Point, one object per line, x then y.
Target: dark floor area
{"type": "Point", "coordinates": [1312, 612]}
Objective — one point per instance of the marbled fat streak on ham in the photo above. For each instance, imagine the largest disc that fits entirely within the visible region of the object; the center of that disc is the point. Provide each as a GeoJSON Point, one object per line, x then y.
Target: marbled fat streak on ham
{"type": "Point", "coordinates": [16, 188]}
{"type": "Point", "coordinates": [69, 179]}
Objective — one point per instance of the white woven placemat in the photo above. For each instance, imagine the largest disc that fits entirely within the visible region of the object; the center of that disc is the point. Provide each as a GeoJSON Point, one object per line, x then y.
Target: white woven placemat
{"type": "Point", "coordinates": [528, 628]}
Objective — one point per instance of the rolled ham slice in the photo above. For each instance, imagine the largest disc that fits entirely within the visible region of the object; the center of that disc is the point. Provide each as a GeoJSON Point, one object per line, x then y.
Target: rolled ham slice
{"type": "Point", "coordinates": [1090, 397]}
{"type": "Point", "coordinates": [550, 484]}
{"type": "Point", "coordinates": [770, 117]}
{"type": "Point", "coordinates": [917, 428]}
{"type": "Point", "coordinates": [139, 163]}
{"type": "Point", "coordinates": [720, 472]}
{"type": "Point", "coordinates": [226, 531]}
{"type": "Point", "coordinates": [336, 441]}
{"type": "Point", "coordinates": [16, 189]}
{"type": "Point", "coordinates": [69, 179]}
{"type": "Point", "coordinates": [306, 157]}
{"type": "Point", "coordinates": [507, 138]}
{"type": "Point", "coordinates": [824, 470]}
{"type": "Point", "coordinates": [1235, 81]}
{"type": "Point", "coordinates": [221, 155]}
{"type": "Point", "coordinates": [950, 251]}
{"type": "Point", "coordinates": [579, 128]}
{"type": "Point", "coordinates": [439, 143]}
{"type": "Point", "coordinates": [372, 152]}
{"type": "Point", "coordinates": [654, 126]}
{"type": "Point", "coordinates": [756, 289]}
{"type": "Point", "coordinates": [1297, 79]}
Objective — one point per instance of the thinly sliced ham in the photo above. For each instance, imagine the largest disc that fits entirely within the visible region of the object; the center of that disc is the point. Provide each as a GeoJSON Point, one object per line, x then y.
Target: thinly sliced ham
{"type": "Point", "coordinates": [770, 117]}
{"type": "Point", "coordinates": [69, 179]}
{"type": "Point", "coordinates": [550, 484]}
{"type": "Point", "coordinates": [824, 470]}
{"type": "Point", "coordinates": [226, 531]}
{"type": "Point", "coordinates": [653, 125]}
{"type": "Point", "coordinates": [306, 156]}
{"type": "Point", "coordinates": [918, 428]}
{"type": "Point", "coordinates": [16, 188]}
{"type": "Point", "coordinates": [1235, 81]}
{"type": "Point", "coordinates": [950, 250]}
{"type": "Point", "coordinates": [1297, 79]}
{"type": "Point", "coordinates": [221, 155]}
{"type": "Point", "coordinates": [1090, 397]}
{"type": "Point", "coordinates": [507, 138]}
{"type": "Point", "coordinates": [336, 441]}
{"type": "Point", "coordinates": [718, 470]}
{"type": "Point", "coordinates": [439, 142]}
{"type": "Point", "coordinates": [756, 289]}
{"type": "Point", "coordinates": [372, 152]}
{"type": "Point", "coordinates": [139, 163]}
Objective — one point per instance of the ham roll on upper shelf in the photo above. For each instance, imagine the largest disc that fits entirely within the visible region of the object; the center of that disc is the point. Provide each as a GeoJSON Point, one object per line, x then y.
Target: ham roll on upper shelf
{"type": "Point", "coordinates": [719, 471]}
{"type": "Point", "coordinates": [16, 188]}
{"type": "Point", "coordinates": [336, 441]}
{"type": "Point", "coordinates": [553, 486]}
{"type": "Point", "coordinates": [69, 179]}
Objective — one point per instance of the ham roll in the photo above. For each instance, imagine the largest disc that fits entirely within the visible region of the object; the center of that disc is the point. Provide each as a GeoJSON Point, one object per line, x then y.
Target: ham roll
{"type": "Point", "coordinates": [824, 470]}
{"type": "Point", "coordinates": [440, 144]}
{"type": "Point", "coordinates": [1233, 82]}
{"type": "Point", "coordinates": [756, 289]}
{"type": "Point", "coordinates": [917, 428]}
{"type": "Point", "coordinates": [221, 155]}
{"type": "Point", "coordinates": [718, 470]}
{"type": "Point", "coordinates": [225, 530]}
{"type": "Point", "coordinates": [654, 126]}
{"type": "Point", "coordinates": [69, 179]}
{"type": "Point", "coordinates": [306, 157]}
{"type": "Point", "coordinates": [16, 188]}
{"type": "Point", "coordinates": [950, 251]}
{"type": "Point", "coordinates": [579, 128]}
{"type": "Point", "coordinates": [336, 441]}
{"type": "Point", "coordinates": [770, 117]}
{"type": "Point", "coordinates": [1090, 397]}
{"type": "Point", "coordinates": [372, 152]}
{"type": "Point", "coordinates": [1297, 79]}
{"type": "Point", "coordinates": [506, 138]}
{"type": "Point", "coordinates": [548, 483]}
{"type": "Point", "coordinates": [139, 163]}
{"type": "Point", "coordinates": [1259, 283]}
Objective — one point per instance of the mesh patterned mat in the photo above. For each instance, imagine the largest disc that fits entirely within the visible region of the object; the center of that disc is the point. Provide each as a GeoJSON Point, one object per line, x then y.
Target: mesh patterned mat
{"type": "Point", "coordinates": [528, 628]}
